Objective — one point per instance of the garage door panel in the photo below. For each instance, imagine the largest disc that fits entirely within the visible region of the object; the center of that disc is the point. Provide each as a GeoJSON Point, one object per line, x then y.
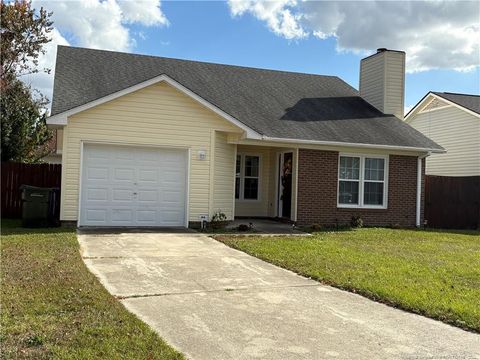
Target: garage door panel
{"type": "Point", "coordinates": [97, 173]}
{"type": "Point", "coordinates": [96, 215]}
{"type": "Point", "coordinates": [124, 174]}
{"type": "Point", "coordinates": [147, 216]}
{"type": "Point", "coordinates": [147, 176]}
{"type": "Point", "coordinates": [170, 216]}
{"type": "Point", "coordinates": [122, 216]}
{"type": "Point", "coordinates": [171, 176]}
{"type": "Point", "coordinates": [148, 196]}
{"type": "Point", "coordinates": [121, 195]}
{"type": "Point", "coordinates": [97, 194]}
{"type": "Point", "coordinates": [124, 154]}
{"type": "Point", "coordinates": [99, 153]}
{"type": "Point", "coordinates": [129, 186]}
{"type": "Point", "coordinates": [171, 197]}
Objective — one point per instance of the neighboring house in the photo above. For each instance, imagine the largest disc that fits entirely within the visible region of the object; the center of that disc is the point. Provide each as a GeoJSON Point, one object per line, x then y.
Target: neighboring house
{"type": "Point", "coordinates": [453, 121]}
{"type": "Point", "coordinates": [151, 141]}
{"type": "Point", "coordinates": [55, 144]}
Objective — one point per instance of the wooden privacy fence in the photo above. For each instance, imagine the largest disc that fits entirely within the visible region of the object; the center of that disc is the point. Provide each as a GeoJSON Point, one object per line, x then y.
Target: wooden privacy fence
{"type": "Point", "coordinates": [452, 202]}
{"type": "Point", "coordinates": [14, 175]}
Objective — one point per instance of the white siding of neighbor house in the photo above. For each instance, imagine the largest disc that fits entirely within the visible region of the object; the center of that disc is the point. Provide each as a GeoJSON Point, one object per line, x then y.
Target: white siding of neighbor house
{"type": "Point", "coordinates": [224, 178]}
{"type": "Point", "coordinates": [458, 132]}
{"type": "Point", "coordinates": [382, 81]}
{"type": "Point", "coordinates": [158, 115]}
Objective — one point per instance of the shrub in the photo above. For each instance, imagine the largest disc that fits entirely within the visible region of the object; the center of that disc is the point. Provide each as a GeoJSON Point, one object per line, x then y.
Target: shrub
{"type": "Point", "coordinates": [356, 222]}
{"type": "Point", "coordinates": [219, 220]}
{"type": "Point", "coordinates": [243, 227]}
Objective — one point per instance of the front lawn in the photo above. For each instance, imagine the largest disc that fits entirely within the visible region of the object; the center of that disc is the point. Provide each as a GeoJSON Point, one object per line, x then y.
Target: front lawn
{"type": "Point", "coordinates": [433, 273]}
{"type": "Point", "coordinates": [53, 307]}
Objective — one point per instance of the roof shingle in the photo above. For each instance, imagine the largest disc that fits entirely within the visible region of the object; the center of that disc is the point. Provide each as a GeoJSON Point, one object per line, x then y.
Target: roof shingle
{"type": "Point", "coordinates": [273, 103]}
{"type": "Point", "coordinates": [468, 101]}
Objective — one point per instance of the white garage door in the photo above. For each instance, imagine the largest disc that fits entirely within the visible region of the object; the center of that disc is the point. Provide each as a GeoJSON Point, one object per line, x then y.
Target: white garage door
{"type": "Point", "coordinates": [133, 186]}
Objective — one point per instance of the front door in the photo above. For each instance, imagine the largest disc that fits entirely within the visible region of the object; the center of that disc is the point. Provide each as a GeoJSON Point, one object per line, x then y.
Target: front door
{"type": "Point", "coordinates": [285, 185]}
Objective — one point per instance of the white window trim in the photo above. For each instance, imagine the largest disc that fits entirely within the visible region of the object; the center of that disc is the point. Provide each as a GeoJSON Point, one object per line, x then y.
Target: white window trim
{"type": "Point", "coordinates": [242, 176]}
{"type": "Point", "coordinates": [361, 182]}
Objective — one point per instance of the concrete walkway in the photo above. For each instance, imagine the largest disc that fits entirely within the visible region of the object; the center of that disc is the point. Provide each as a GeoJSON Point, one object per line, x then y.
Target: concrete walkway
{"type": "Point", "coordinates": [212, 302]}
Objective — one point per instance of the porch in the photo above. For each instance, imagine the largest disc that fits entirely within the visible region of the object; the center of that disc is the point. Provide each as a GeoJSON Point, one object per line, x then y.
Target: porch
{"type": "Point", "coordinates": [266, 182]}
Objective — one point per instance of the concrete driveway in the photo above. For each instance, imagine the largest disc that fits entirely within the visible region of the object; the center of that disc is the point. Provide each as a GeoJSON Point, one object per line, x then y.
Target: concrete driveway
{"type": "Point", "coordinates": [212, 302]}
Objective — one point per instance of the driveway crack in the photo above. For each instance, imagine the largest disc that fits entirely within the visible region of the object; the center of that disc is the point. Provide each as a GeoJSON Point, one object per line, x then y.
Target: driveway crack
{"type": "Point", "coordinates": [103, 257]}
{"type": "Point", "coordinates": [228, 289]}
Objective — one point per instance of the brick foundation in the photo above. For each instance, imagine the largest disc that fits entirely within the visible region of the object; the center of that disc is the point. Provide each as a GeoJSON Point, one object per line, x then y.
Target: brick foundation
{"type": "Point", "coordinates": [317, 192]}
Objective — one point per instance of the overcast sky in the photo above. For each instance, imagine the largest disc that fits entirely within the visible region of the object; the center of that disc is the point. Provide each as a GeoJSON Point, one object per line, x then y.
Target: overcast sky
{"type": "Point", "coordinates": [441, 38]}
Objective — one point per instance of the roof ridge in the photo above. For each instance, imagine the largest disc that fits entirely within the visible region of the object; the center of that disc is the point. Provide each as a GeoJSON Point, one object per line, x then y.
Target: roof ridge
{"type": "Point", "coordinates": [453, 93]}
{"type": "Point", "coordinates": [201, 62]}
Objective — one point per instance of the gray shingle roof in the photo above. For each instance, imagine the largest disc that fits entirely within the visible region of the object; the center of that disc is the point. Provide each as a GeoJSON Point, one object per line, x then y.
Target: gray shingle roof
{"type": "Point", "coordinates": [273, 103]}
{"type": "Point", "coordinates": [470, 102]}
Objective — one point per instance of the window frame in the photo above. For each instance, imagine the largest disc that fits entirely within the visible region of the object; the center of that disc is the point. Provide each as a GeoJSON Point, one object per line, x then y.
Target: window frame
{"type": "Point", "coordinates": [361, 181]}
{"type": "Point", "coordinates": [243, 177]}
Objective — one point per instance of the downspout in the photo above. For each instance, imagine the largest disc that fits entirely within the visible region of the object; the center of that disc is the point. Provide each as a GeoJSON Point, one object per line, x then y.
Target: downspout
{"type": "Point", "coordinates": [419, 189]}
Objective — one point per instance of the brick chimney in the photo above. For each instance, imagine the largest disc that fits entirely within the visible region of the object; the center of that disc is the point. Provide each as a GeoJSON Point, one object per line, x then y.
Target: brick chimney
{"type": "Point", "coordinates": [382, 81]}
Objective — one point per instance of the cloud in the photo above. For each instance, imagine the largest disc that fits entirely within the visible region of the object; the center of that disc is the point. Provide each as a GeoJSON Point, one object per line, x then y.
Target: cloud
{"type": "Point", "coordinates": [100, 24]}
{"type": "Point", "coordinates": [407, 108]}
{"type": "Point", "coordinates": [147, 13]}
{"type": "Point", "coordinates": [435, 34]}
{"type": "Point", "coordinates": [276, 14]}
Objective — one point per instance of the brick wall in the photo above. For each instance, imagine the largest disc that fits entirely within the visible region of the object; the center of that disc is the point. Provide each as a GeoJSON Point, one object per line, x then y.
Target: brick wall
{"type": "Point", "coordinates": [317, 192]}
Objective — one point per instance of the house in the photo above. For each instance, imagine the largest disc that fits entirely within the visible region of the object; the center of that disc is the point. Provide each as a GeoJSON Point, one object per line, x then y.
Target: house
{"type": "Point", "coordinates": [55, 145]}
{"type": "Point", "coordinates": [453, 121]}
{"type": "Point", "coordinates": [152, 141]}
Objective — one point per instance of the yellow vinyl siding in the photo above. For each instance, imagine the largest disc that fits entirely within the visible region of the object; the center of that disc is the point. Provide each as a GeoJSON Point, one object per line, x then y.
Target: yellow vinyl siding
{"type": "Point", "coordinates": [394, 83]}
{"type": "Point", "coordinates": [459, 133]}
{"type": "Point", "coordinates": [158, 115]}
{"type": "Point", "coordinates": [59, 148]}
{"type": "Point", "coordinates": [224, 176]}
{"type": "Point", "coordinates": [258, 207]}
{"type": "Point", "coordinates": [382, 79]}
{"type": "Point", "coordinates": [372, 71]}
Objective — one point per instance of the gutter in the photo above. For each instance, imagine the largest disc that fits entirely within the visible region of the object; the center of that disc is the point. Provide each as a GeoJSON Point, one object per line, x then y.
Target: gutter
{"type": "Point", "coordinates": [419, 189]}
{"type": "Point", "coordinates": [356, 145]}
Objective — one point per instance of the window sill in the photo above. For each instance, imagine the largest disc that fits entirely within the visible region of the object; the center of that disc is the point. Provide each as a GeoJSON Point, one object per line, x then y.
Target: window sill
{"type": "Point", "coordinates": [367, 207]}
{"type": "Point", "coordinates": [248, 200]}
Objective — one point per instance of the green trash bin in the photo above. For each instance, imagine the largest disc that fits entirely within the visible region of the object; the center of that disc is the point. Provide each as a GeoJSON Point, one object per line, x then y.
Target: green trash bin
{"type": "Point", "coordinates": [36, 206]}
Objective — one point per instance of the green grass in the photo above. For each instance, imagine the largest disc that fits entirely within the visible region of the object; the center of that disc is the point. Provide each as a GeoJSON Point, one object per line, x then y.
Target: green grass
{"type": "Point", "coordinates": [433, 273]}
{"type": "Point", "coordinates": [53, 307]}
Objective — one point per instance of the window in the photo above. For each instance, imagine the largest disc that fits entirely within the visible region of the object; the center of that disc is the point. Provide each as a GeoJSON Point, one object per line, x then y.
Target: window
{"type": "Point", "coordinates": [247, 177]}
{"type": "Point", "coordinates": [362, 181]}
{"type": "Point", "coordinates": [374, 181]}
{"type": "Point", "coordinates": [349, 180]}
